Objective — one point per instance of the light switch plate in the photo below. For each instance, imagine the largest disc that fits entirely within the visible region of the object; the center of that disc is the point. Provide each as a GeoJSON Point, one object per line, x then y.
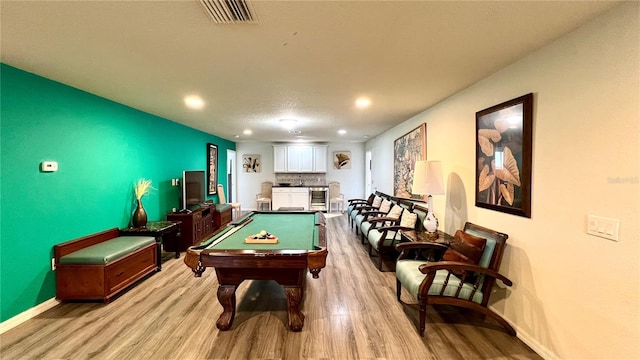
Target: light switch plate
{"type": "Point", "coordinates": [49, 166]}
{"type": "Point", "coordinates": [603, 227]}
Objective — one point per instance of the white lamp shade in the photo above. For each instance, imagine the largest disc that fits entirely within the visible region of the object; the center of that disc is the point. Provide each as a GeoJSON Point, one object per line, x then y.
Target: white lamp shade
{"type": "Point", "coordinates": [427, 178]}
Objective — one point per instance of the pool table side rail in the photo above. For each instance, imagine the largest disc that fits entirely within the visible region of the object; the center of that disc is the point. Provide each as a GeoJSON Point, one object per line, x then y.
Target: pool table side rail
{"type": "Point", "coordinates": [316, 259]}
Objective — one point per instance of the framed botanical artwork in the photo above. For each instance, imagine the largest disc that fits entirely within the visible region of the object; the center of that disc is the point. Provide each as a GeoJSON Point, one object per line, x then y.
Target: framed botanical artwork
{"type": "Point", "coordinates": [212, 169]}
{"type": "Point", "coordinates": [503, 155]}
{"type": "Point", "coordinates": [342, 159]}
{"type": "Point", "coordinates": [408, 149]}
{"type": "Point", "coordinates": [251, 163]}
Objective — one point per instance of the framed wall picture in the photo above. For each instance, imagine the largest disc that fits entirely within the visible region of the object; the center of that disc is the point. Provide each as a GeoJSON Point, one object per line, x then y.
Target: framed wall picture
{"type": "Point", "coordinates": [342, 159]}
{"type": "Point", "coordinates": [503, 156]}
{"type": "Point", "coordinates": [251, 163]}
{"type": "Point", "coordinates": [408, 149]}
{"type": "Point", "coordinates": [212, 169]}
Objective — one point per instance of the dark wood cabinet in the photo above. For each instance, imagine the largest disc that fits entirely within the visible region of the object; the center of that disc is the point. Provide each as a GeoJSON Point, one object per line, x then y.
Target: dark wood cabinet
{"type": "Point", "coordinates": [194, 227]}
{"type": "Point", "coordinates": [222, 215]}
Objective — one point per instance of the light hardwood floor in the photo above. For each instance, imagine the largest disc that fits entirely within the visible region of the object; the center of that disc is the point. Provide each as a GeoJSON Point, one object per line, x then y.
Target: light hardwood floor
{"type": "Point", "coordinates": [351, 313]}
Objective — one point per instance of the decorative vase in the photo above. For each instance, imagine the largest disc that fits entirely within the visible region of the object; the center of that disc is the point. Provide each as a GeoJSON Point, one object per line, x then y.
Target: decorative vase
{"type": "Point", "coordinates": [430, 221]}
{"type": "Point", "coordinates": [139, 219]}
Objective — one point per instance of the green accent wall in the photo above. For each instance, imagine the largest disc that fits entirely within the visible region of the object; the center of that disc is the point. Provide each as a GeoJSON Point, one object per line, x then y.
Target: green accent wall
{"type": "Point", "coordinates": [102, 148]}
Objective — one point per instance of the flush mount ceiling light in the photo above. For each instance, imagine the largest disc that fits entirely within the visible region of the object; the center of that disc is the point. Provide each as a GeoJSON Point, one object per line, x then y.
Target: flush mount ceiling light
{"type": "Point", "coordinates": [363, 102]}
{"type": "Point", "coordinates": [342, 131]}
{"type": "Point", "coordinates": [288, 123]}
{"type": "Point", "coordinates": [194, 102]}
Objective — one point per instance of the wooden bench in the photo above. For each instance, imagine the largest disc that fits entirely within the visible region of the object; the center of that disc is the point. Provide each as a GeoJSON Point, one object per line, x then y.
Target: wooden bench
{"type": "Point", "coordinates": [99, 266]}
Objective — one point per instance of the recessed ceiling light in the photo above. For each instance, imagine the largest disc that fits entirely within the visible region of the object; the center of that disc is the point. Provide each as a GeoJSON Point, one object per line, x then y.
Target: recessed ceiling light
{"type": "Point", "coordinates": [342, 131]}
{"type": "Point", "coordinates": [288, 123]}
{"type": "Point", "coordinates": [237, 136]}
{"type": "Point", "coordinates": [247, 132]}
{"type": "Point", "coordinates": [194, 102]}
{"type": "Point", "coordinates": [363, 102]}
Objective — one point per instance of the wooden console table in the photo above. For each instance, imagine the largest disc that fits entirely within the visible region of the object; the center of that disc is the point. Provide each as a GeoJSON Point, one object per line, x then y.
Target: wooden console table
{"type": "Point", "coordinates": [438, 246]}
{"type": "Point", "coordinates": [165, 232]}
{"type": "Point", "coordinates": [195, 226]}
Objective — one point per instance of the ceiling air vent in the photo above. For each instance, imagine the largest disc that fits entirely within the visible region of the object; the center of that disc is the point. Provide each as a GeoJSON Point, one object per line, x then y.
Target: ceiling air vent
{"type": "Point", "coordinates": [229, 11]}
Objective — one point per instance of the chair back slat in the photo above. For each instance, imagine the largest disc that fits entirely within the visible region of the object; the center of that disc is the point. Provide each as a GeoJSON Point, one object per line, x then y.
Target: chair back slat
{"type": "Point", "coordinates": [491, 256]}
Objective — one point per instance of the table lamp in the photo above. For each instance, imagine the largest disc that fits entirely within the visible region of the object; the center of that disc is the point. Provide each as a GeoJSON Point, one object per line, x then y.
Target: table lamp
{"type": "Point", "coordinates": [427, 180]}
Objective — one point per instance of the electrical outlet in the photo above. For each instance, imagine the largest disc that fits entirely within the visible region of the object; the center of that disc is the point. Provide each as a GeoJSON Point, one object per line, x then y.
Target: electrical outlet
{"type": "Point", "coordinates": [53, 263]}
{"type": "Point", "coordinates": [603, 227]}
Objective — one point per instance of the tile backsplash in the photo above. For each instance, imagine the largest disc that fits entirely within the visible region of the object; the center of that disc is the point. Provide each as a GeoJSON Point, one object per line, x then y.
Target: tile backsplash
{"type": "Point", "coordinates": [307, 179]}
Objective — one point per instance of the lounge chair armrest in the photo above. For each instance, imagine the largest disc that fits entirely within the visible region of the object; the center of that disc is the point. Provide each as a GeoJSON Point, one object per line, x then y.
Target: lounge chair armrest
{"type": "Point", "coordinates": [357, 201]}
{"type": "Point", "coordinates": [394, 228]}
{"type": "Point", "coordinates": [372, 213]}
{"type": "Point", "coordinates": [363, 208]}
{"type": "Point", "coordinates": [460, 266]}
{"type": "Point", "coordinates": [380, 219]}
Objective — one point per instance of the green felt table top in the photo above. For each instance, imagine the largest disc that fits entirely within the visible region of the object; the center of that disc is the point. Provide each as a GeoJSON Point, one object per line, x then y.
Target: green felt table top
{"type": "Point", "coordinates": [295, 231]}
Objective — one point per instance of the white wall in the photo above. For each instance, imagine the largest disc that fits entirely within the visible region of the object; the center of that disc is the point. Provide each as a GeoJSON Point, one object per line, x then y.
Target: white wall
{"type": "Point", "coordinates": [351, 180]}
{"type": "Point", "coordinates": [575, 296]}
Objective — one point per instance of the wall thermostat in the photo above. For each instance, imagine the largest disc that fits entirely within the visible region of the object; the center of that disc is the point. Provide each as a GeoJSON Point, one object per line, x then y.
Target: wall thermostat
{"type": "Point", "coordinates": [49, 166]}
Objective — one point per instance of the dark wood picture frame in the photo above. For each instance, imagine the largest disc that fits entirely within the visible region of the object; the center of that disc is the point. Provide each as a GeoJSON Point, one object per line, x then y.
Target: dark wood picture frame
{"type": "Point", "coordinates": [503, 156]}
{"type": "Point", "coordinates": [407, 149]}
{"type": "Point", "coordinates": [212, 169]}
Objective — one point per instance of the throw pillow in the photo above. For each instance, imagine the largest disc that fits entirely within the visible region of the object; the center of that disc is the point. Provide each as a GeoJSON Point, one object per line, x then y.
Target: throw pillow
{"type": "Point", "coordinates": [408, 219]}
{"type": "Point", "coordinates": [376, 202]}
{"type": "Point", "coordinates": [395, 212]}
{"type": "Point", "coordinates": [385, 206]}
{"type": "Point", "coordinates": [465, 248]}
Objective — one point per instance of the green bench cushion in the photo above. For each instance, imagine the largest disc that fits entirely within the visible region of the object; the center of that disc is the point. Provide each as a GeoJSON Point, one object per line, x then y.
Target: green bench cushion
{"type": "Point", "coordinates": [222, 207]}
{"type": "Point", "coordinates": [409, 275]}
{"type": "Point", "coordinates": [107, 251]}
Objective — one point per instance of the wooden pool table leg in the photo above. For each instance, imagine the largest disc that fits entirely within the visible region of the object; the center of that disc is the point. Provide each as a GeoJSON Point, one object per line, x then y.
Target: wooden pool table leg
{"type": "Point", "coordinates": [227, 298]}
{"type": "Point", "coordinates": [294, 298]}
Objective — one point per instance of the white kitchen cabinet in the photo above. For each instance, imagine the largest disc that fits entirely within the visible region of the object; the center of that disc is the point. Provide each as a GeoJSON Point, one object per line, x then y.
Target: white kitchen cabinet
{"type": "Point", "coordinates": [279, 158]}
{"type": "Point", "coordinates": [300, 158]}
{"type": "Point", "coordinates": [300, 198]}
{"type": "Point", "coordinates": [290, 197]}
{"type": "Point", "coordinates": [320, 158]}
{"type": "Point", "coordinates": [279, 198]}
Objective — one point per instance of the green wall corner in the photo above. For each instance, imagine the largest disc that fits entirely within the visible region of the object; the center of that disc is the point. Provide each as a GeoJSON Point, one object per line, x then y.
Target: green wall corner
{"type": "Point", "coordinates": [102, 148]}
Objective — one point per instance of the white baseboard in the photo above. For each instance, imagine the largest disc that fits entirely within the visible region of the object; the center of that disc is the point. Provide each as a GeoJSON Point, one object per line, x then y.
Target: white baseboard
{"type": "Point", "coordinates": [526, 338]}
{"type": "Point", "coordinates": [28, 314]}
{"type": "Point", "coordinates": [544, 352]}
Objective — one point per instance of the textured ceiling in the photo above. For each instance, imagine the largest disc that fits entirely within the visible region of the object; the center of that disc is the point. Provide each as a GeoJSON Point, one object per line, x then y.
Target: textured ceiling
{"type": "Point", "coordinates": [306, 60]}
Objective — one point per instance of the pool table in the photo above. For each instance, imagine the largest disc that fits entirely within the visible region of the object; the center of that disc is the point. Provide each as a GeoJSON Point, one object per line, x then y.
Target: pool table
{"type": "Point", "coordinates": [301, 245]}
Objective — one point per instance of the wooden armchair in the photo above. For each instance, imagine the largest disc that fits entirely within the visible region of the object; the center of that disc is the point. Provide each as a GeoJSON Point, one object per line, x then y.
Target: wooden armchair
{"type": "Point", "coordinates": [358, 211]}
{"type": "Point", "coordinates": [365, 214]}
{"type": "Point", "coordinates": [454, 283]}
{"type": "Point", "coordinates": [385, 232]}
{"type": "Point", "coordinates": [387, 215]}
{"type": "Point", "coordinates": [354, 204]}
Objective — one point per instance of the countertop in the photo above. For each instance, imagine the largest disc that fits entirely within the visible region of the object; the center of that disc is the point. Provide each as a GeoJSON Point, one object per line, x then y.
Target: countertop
{"type": "Point", "coordinates": [298, 186]}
